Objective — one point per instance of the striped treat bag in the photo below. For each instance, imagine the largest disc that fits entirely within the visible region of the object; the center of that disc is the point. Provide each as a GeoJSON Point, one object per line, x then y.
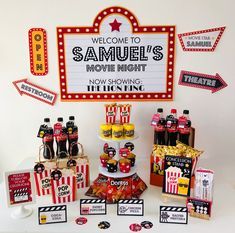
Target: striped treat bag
{"type": "Point", "coordinates": [81, 167]}
{"type": "Point", "coordinates": [125, 113]}
{"type": "Point", "coordinates": [42, 173]}
{"type": "Point", "coordinates": [111, 112]}
{"type": "Point", "coordinates": [63, 185]}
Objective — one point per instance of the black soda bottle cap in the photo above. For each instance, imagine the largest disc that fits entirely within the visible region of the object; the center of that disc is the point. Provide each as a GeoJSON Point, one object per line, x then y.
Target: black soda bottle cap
{"type": "Point", "coordinates": [60, 119]}
{"type": "Point", "coordinates": [71, 118]}
{"type": "Point", "coordinates": [46, 119]}
{"type": "Point", "coordinates": [186, 112]}
{"type": "Point", "coordinates": [159, 110]}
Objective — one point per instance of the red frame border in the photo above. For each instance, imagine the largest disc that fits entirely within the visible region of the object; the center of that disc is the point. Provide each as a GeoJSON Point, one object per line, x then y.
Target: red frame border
{"type": "Point", "coordinates": [95, 29]}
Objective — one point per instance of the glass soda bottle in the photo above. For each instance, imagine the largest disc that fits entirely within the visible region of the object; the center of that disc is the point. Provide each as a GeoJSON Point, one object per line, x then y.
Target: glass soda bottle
{"type": "Point", "coordinates": [72, 131]}
{"type": "Point", "coordinates": [48, 139]}
{"type": "Point", "coordinates": [61, 139]}
{"type": "Point", "coordinates": [184, 127]}
{"type": "Point", "coordinates": [171, 127]}
{"type": "Point", "coordinates": [159, 129]}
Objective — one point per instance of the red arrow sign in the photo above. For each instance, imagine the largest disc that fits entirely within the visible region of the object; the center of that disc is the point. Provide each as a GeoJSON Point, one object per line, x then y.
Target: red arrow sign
{"type": "Point", "coordinates": [204, 81]}
{"type": "Point", "coordinates": [39, 93]}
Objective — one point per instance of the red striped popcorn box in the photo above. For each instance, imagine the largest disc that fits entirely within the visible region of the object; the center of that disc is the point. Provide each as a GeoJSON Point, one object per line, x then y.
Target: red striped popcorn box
{"type": "Point", "coordinates": [82, 173]}
{"type": "Point", "coordinates": [63, 186]}
{"type": "Point", "coordinates": [125, 113]}
{"type": "Point", "coordinates": [80, 166]}
{"type": "Point", "coordinates": [171, 183]}
{"type": "Point", "coordinates": [43, 184]}
{"type": "Point", "coordinates": [42, 173]}
{"type": "Point", "coordinates": [111, 112]}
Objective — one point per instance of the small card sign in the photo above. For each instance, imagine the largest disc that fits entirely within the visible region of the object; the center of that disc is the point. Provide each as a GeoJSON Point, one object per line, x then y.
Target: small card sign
{"type": "Point", "coordinates": [19, 187]}
{"type": "Point", "coordinates": [199, 208]}
{"type": "Point", "coordinates": [177, 175]}
{"type": "Point", "coordinates": [130, 207]}
{"type": "Point", "coordinates": [52, 214]}
{"type": "Point", "coordinates": [173, 214]}
{"type": "Point", "coordinates": [201, 41]}
{"type": "Point", "coordinates": [93, 207]}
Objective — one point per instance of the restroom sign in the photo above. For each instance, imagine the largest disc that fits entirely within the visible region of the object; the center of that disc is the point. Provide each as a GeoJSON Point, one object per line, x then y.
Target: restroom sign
{"type": "Point", "coordinates": [116, 59]}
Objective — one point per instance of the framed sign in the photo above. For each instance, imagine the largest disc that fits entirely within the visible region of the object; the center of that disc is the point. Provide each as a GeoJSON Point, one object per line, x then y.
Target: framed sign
{"type": "Point", "coordinates": [177, 175]}
{"type": "Point", "coordinates": [116, 59]}
{"type": "Point", "coordinates": [19, 187]}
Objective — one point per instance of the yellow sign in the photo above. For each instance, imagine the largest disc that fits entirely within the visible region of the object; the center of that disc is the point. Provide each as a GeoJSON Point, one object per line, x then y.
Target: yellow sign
{"type": "Point", "coordinates": [38, 51]}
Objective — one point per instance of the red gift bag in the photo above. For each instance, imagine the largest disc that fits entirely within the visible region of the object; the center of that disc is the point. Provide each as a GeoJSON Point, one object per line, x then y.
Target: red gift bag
{"type": "Point", "coordinates": [63, 185]}
{"type": "Point", "coordinates": [42, 174]}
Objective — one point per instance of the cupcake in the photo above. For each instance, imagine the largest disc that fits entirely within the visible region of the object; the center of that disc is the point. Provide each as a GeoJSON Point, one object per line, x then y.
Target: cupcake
{"type": "Point", "coordinates": [106, 130]}
{"type": "Point", "coordinates": [129, 130]}
{"type": "Point", "coordinates": [103, 159]}
{"type": "Point", "coordinates": [112, 165]}
{"type": "Point", "coordinates": [117, 132]}
{"type": "Point", "coordinates": [125, 165]}
{"type": "Point", "coordinates": [131, 157]}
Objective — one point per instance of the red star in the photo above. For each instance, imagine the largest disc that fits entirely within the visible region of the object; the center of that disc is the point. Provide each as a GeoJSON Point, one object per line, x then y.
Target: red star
{"type": "Point", "coordinates": [115, 25]}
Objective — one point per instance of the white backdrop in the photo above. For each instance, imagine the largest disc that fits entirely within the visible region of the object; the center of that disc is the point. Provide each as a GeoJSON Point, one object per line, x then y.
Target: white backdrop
{"type": "Point", "coordinates": [212, 114]}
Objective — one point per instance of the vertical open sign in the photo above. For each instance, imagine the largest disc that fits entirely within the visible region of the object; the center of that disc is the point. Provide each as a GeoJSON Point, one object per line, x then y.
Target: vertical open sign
{"type": "Point", "coordinates": [38, 51]}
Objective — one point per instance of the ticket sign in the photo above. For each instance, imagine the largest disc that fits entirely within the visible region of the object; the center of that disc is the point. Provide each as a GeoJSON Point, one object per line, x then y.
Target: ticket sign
{"type": "Point", "coordinates": [116, 59]}
{"type": "Point", "coordinates": [38, 51]}
{"type": "Point", "coordinates": [19, 187]}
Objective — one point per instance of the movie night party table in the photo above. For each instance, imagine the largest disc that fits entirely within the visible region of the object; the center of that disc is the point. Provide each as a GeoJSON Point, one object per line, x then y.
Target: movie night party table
{"type": "Point", "coordinates": [223, 214]}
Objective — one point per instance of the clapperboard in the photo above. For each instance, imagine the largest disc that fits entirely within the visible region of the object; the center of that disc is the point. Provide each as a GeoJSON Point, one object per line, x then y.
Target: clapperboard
{"type": "Point", "coordinates": [21, 195]}
{"type": "Point", "coordinates": [130, 207]}
{"type": "Point", "coordinates": [52, 214]}
{"type": "Point", "coordinates": [93, 207]}
{"type": "Point", "coordinates": [173, 214]}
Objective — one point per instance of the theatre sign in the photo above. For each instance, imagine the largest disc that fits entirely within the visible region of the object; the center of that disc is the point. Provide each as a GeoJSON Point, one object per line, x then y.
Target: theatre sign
{"type": "Point", "coordinates": [116, 59]}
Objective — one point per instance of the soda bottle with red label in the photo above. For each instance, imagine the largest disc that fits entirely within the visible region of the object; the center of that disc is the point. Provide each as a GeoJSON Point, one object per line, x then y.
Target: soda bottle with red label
{"type": "Point", "coordinates": [72, 131]}
{"type": "Point", "coordinates": [184, 127]}
{"type": "Point", "coordinates": [171, 127]}
{"type": "Point", "coordinates": [60, 133]}
{"type": "Point", "coordinates": [48, 139]}
{"type": "Point", "coordinates": [159, 128]}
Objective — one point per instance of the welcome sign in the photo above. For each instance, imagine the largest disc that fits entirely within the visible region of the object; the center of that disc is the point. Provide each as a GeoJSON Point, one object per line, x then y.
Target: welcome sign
{"type": "Point", "coordinates": [116, 59]}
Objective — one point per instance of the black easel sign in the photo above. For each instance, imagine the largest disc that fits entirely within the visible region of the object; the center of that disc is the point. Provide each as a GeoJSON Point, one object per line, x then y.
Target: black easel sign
{"type": "Point", "coordinates": [177, 175]}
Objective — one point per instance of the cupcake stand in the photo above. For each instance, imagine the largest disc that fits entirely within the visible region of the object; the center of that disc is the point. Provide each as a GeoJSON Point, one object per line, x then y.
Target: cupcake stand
{"type": "Point", "coordinates": [117, 177]}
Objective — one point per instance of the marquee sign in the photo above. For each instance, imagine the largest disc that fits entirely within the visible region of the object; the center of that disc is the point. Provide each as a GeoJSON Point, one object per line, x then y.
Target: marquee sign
{"type": "Point", "coordinates": [116, 59]}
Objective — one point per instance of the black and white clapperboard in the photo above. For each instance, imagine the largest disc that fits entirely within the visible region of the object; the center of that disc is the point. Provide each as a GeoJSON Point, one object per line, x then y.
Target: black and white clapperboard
{"type": "Point", "coordinates": [52, 214]}
{"type": "Point", "coordinates": [173, 214]}
{"type": "Point", "coordinates": [130, 207]}
{"type": "Point", "coordinates": [21, 195]}
{"type": "Point", "coordinates": [93, 207]}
